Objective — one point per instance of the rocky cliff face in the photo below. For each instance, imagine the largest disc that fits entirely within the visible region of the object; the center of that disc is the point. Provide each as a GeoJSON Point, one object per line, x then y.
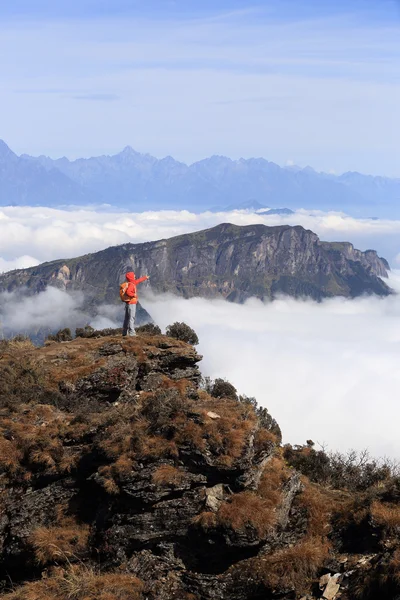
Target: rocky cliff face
{"type": "Point", "coordinates": [226, 261]}
{"type": "Point", "coordinates": [122, 479]}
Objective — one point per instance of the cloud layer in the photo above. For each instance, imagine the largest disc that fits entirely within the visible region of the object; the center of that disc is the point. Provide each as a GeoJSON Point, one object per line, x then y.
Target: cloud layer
{"type": "Point", "coordinates": [29, 235]}
{"type": "Point", "coordinates": [325, 371]}
{"type": "Point", "coordinates": [50, 310]}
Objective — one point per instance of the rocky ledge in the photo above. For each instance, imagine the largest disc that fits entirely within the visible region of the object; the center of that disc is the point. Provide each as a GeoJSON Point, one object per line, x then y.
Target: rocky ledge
{"type": "Point", "coordinates": [122, 476]}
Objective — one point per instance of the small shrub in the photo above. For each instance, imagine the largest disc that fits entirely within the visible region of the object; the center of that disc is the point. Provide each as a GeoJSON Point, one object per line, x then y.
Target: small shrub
{"type": "Point", "coordinates": [89, 332]}
{"type": "Point", "coordinates": [63, 335]}
{"type": "Point", "coordinates": [223, 389]}
{"type": "Point", "coordinates": [182, 331]}
{"type": "Point", "coordinates": [354, 471]}
{"type": "Point", "coordinates": [108, 331]}
{"type": "Point", "coordinates": [163, 406]}
{"type": "Point", "coordinates": [265, 419]}
{"type": "Point", "coordinates": [20, 338]}
{"type": "Point", "coordinates": [268, 423]}
{"type": "Point", "coordinates": [84, 332]}
{"type": "Point", "coordinates": [148, 329]}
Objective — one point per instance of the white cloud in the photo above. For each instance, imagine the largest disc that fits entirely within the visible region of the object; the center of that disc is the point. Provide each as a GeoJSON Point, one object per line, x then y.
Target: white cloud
{"type": "Point", "coordinates": [20, 262]}
{"type": "Point", "coordinates": [325, 371]}
{"type": "Point", "coordinates": [46, 234]}
{"type": "Point", "coordinates": [51, 310]}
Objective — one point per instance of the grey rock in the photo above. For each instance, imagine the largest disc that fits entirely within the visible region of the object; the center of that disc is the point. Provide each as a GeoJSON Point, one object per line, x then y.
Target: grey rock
{"type": "Point", "coordinates": [226, 261]}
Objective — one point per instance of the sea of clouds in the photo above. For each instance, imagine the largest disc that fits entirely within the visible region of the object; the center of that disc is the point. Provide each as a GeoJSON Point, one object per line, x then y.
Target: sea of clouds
{"type": "Point", "coordinates": [326, 371]}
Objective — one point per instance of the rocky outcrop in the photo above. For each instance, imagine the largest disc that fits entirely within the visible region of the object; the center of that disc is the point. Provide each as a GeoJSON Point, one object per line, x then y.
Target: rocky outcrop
{"type": "Point", "coordinates": [369, 259]}
{"type": "Point", "coordinates": [122, 478]}
{"type": "Point", "coordinates": [226, 261]}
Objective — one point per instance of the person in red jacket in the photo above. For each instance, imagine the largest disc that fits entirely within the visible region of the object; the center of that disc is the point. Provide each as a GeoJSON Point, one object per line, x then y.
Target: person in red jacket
{"type": "Point", "coordinates": [128, 294]}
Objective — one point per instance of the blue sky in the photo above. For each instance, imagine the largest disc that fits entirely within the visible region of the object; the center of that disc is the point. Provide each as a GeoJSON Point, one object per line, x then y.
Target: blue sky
{"type": "Point", "coordinates": [310, 82]}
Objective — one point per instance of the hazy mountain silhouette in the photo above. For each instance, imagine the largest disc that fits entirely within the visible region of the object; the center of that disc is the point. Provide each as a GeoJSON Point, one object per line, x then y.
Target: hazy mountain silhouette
{"type": "Point", "coordinates": [138, 181]}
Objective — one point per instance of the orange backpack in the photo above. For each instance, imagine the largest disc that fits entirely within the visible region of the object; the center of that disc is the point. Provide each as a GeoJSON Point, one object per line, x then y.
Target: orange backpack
{"type": "Point", "coordinates": [122, 292]}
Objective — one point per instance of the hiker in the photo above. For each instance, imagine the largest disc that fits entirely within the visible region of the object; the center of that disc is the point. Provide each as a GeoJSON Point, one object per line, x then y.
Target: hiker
{"type": "Point", "coordinates": [127, 292]}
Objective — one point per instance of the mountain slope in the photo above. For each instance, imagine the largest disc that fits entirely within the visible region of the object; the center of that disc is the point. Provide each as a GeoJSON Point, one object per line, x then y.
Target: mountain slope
{"type": "Point", "coordinates": [27, 183]}
{"type": "Point", "coordinates": [138, 181]}
{"type": "Point", "coordinates": [123, 479]}
{"type": "Point", "coordinates": [226, 261]}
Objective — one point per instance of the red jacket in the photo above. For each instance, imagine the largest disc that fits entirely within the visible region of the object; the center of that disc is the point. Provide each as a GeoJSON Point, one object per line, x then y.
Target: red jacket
{"type": "Point", "coordinates": [130, 291]}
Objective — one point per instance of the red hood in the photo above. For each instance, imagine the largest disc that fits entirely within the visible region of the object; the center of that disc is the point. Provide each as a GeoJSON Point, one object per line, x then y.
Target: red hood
{"type": "Point", "coordinates": [130, 276]}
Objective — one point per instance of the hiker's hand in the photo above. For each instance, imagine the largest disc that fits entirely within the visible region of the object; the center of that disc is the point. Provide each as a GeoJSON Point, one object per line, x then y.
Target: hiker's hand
{"type": "Point", "coordinates": [148, 276]}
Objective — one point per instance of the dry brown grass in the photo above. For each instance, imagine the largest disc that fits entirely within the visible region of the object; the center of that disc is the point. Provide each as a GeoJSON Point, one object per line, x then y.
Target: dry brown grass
{"type": "Point", "coordinates": [241, 512]}
{"type": "Point", "coordinates": [16, 344]}
{"type": "Point", "coordinates": [227, 436]}
{"type": "Point", "coordinates": [296, 566]}
{"type": "Point", "coordinates": [206, 520]}
{"type": "Point", "coordinates": [246, 509]}
{"type": "Point", "coordinates": [264, 440]}
{"type": "Point", "coordinates": [161, 422]}
{"type": "Point", "coordinates": [386, 515]}
{"type": "Point", "coordinates": [10, 457]}
{"type": "Point", "coordinates": [32, 441]}
{"type": "Point", "coordinates": [59, 544]}
{"type": "Point", "coordinates": [156, 447]}
{"type": "Point", "coordinates": [168, 475]}
{"type": "Point", "coordinates": [319, 505]}
{"type": "Point", "coordinates": [289, 568]}
{"type": "Point", "coordinates": [153, 428]}
{"type": "Point", "coordinates": [275, 474]}
{"type": "Point", "coordinates": [181, 385]}
{"type": "Point", "coordinates": [22, 378]}
{"type": "Point", "coordinates": [80, 583]}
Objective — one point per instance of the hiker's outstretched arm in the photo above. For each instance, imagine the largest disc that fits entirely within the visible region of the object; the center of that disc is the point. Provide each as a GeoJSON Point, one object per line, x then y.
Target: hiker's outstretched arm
{"type": "Point", "coordinates": [141, 279]}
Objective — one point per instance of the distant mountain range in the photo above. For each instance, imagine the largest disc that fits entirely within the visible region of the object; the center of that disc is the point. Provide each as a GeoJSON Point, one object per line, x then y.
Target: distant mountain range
{"type": "Point", "coordinates": [227, 261]}
{"type": "Point", "coordinates": [138, 182]}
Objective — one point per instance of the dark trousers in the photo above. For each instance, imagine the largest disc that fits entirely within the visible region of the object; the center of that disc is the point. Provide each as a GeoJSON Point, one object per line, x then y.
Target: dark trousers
{"type": "Point", "coordinates": [129, 321]}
